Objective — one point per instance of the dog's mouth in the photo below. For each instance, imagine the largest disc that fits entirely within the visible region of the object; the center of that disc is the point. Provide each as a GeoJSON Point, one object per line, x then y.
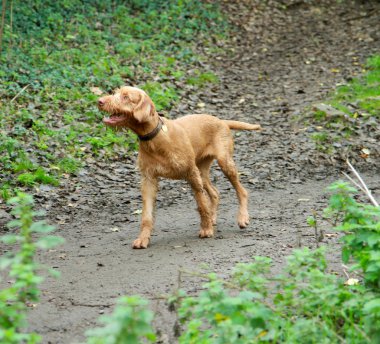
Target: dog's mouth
{"type": "Point", "coordinates": [114, 120]}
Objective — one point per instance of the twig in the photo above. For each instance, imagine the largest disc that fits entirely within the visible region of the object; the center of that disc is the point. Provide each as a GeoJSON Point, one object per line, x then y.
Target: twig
{"type": "Point", "coordinates": [23, 89]}
{"type": "Point", "coordinates": [73, 303]}
{"type": "Point", "coordinates": [366, 15]}
{"type": "Point", "coordinates": [353, 181]}
{"type": "Point", "coordinates": [299, 237]}
{"type": "Point", "coordinates": [367, 191]}
{"type": "Point", "coordinates": [345, 272]}
{"type": "Point", "coordinates": [355, 272]}
{"type": "Point", "coordinates": [2, 23]}
{"type": "Point", "coordinates": [11, 23]}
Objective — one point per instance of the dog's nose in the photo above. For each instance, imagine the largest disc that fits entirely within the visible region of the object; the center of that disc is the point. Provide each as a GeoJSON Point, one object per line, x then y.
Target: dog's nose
{"type": "Point", "coordinates": [101, 102]}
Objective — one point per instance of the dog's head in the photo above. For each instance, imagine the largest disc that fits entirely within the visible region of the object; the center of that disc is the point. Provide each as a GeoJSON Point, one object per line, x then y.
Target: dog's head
{"type": "Point", "coordinates": [126, 105]}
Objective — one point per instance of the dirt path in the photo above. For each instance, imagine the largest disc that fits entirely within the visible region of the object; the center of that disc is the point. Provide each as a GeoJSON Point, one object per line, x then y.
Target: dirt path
{"type": "Point", "coordinates": [282, 62]}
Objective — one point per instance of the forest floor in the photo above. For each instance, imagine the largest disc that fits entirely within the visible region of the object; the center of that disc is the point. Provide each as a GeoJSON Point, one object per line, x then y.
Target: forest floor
{"type": "Point", "coordinates": [278, 63]}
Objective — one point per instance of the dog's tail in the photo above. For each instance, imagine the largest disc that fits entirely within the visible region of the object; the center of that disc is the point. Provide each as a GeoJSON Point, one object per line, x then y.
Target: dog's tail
{"type": "Point", "coordinates": [242, 125]}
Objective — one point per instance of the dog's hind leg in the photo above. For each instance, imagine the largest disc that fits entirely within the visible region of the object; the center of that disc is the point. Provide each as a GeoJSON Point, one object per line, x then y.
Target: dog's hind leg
{"type": "Point", "coordinates": [228, 167]}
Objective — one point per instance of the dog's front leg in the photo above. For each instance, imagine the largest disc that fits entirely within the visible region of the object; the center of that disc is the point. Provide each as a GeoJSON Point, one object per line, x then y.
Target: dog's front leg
{"type": "Point", "coordinates": [149, 188]}
{"type": "Point", "coordinates": [207, 230]}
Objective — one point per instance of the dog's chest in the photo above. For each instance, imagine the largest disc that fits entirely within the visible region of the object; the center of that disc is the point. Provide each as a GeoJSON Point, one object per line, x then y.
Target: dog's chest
{"type": "Point", "coordinates": [172, 166]}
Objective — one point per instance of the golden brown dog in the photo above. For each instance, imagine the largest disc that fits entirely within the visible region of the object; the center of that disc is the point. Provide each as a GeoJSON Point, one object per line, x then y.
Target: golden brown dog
{"type": "Point", "coordinates": [178, 149]}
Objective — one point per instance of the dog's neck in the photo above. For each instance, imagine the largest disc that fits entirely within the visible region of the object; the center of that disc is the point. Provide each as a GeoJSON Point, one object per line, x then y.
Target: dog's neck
{"type": "Point", "coordinates": [147, 130]}
{"type": "Point", "coordinates": [152, 134]}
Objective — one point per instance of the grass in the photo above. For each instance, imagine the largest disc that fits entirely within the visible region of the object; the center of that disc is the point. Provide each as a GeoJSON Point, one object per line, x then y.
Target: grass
{"type": "Point", "coordinates": [363, 92]}
{"type": "Point", "coordinates": [352, 109]}
{"type": "Point", "coordinates": [57, 56]}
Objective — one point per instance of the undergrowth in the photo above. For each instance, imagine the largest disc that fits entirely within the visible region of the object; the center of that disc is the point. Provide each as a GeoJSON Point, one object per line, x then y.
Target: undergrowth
{"type": "Point", "coordinates": [21, 271]}
{"type": "Point", "coordinates": [352, 110]}
{"type": "Point", "coordinates": [58, 56]}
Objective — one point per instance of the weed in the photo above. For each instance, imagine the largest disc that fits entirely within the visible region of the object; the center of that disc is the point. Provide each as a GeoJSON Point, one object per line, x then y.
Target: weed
{"type": "Point", "coordinates": [201, 79]}
{"type": "Point", "coordinates": [22, 269]}
{"type": "Point", "coordinates": [352, 110]}
{"type": "Point", "coordinates": [69, 165]}
{"type": "Point", "coordinates": [129, 323]}
{"type": "Point", "coordinates": [38, 176]}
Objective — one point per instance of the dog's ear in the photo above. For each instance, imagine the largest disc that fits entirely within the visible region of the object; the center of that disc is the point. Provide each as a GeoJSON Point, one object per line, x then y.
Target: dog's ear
{"type": "Point", "coordinates": [144, 109]}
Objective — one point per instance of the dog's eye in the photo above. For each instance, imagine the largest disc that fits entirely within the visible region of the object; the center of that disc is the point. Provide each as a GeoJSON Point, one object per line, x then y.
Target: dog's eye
{"type": "Point", "coordinates": [125, 97]}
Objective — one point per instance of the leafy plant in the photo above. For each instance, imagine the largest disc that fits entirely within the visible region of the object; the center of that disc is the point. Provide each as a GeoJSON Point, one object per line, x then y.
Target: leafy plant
{"type": "Point", "coordinates": [352, 109]}
{"type": "Point", "coordinates": [201, 79]}
{"type": "Point", "coordinates": [129, 323]}
{"type": "Point", "coordinates": [22, 269]}
{"type": "Point", "coordinates": [361, 225]}
{"type": "Point", "coordinates": [38, 176]}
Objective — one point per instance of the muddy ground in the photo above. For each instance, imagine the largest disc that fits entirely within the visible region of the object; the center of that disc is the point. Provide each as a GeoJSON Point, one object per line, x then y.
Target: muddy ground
{"type": "Point", "coordinates": [278, 62]}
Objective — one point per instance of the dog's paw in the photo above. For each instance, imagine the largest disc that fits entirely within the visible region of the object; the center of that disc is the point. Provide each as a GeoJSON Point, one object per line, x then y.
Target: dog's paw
{"type": "Point", "coordinates": [214, 220]}
{"type": "Point", "coordinates": [141, 243]}
{"type": "Point", "coordinates": [206, 233]}
{"type": "Point", "coordinates": [243, 220]}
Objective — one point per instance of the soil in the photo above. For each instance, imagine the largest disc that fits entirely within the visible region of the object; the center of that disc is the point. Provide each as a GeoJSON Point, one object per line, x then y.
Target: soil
{"type": "Point", "coordinates": [276, 64]}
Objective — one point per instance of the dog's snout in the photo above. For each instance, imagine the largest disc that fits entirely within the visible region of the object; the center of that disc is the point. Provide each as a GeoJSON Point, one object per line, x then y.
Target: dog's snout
{"type": "Point", "coordinates": [101, 102]}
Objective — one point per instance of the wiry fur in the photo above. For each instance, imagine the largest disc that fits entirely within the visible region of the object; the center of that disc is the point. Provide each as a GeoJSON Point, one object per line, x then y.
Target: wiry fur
{"type": "Point", "coordinates": [185, 150]}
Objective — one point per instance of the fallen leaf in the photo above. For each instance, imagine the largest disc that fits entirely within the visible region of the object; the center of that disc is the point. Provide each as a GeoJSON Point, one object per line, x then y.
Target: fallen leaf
{"type": "Point", "coordinates": [96, 90]}
{"type": "Point", "coordinates": [352, 281]}
{"type": "Point", "coordinates": [365, 152]}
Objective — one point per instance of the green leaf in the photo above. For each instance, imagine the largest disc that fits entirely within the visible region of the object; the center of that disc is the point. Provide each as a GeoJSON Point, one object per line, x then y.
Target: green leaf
{"type": "Point", "coordinates": [346, 253]}
{"type": "Point", "coordinates": [49, 241]}
{"type": "Point", "coordinates": [372, 306]}
{"type": "Point", "coordinates": [5, 262]}
{"type": "Point", "coordinates": [9, 239]}
{"type": "Point", "coordinates": [54, 273]}
{"type": "Point", "coordinates": [41, 227]}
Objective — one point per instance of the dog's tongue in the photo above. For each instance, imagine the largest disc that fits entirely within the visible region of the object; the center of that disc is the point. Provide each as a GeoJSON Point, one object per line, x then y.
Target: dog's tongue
{"type": "Point", "coordinates": [107, 120]}
{"type": "Point", "coordinates": [110, 120]}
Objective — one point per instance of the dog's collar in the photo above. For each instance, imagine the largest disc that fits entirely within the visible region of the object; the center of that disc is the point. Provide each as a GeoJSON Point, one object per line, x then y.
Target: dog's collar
{"type": "Point", "coordinates": [153, 133]}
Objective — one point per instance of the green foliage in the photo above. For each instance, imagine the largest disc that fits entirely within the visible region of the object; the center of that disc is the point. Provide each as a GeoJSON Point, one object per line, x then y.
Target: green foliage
{"type": "Point", "coordinates": [38, 176]}
{"type": "Point", "coordinates": [22, 269]}
{"type": "Point", "coordinates": [352, 109]}
{"type": "Point", "coordinates": [361, 225]}
{"type": "Point", "coordinates": [201, 79]}
{"type": "Point", "coordinates": [56, 52]}
{"type": "Point", "coordinates": [130, 323]}
{"type": "Point", "coordinates": [305, 304]}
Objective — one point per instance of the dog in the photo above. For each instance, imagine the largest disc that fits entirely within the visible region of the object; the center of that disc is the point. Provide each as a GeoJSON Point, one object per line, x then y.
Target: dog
{"type": "Point", "coordinates": [183, 148]}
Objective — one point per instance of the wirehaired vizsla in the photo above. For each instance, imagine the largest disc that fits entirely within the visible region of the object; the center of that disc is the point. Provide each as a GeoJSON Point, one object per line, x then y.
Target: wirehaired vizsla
{"type": "Point", "coordinates": [177, 149]}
